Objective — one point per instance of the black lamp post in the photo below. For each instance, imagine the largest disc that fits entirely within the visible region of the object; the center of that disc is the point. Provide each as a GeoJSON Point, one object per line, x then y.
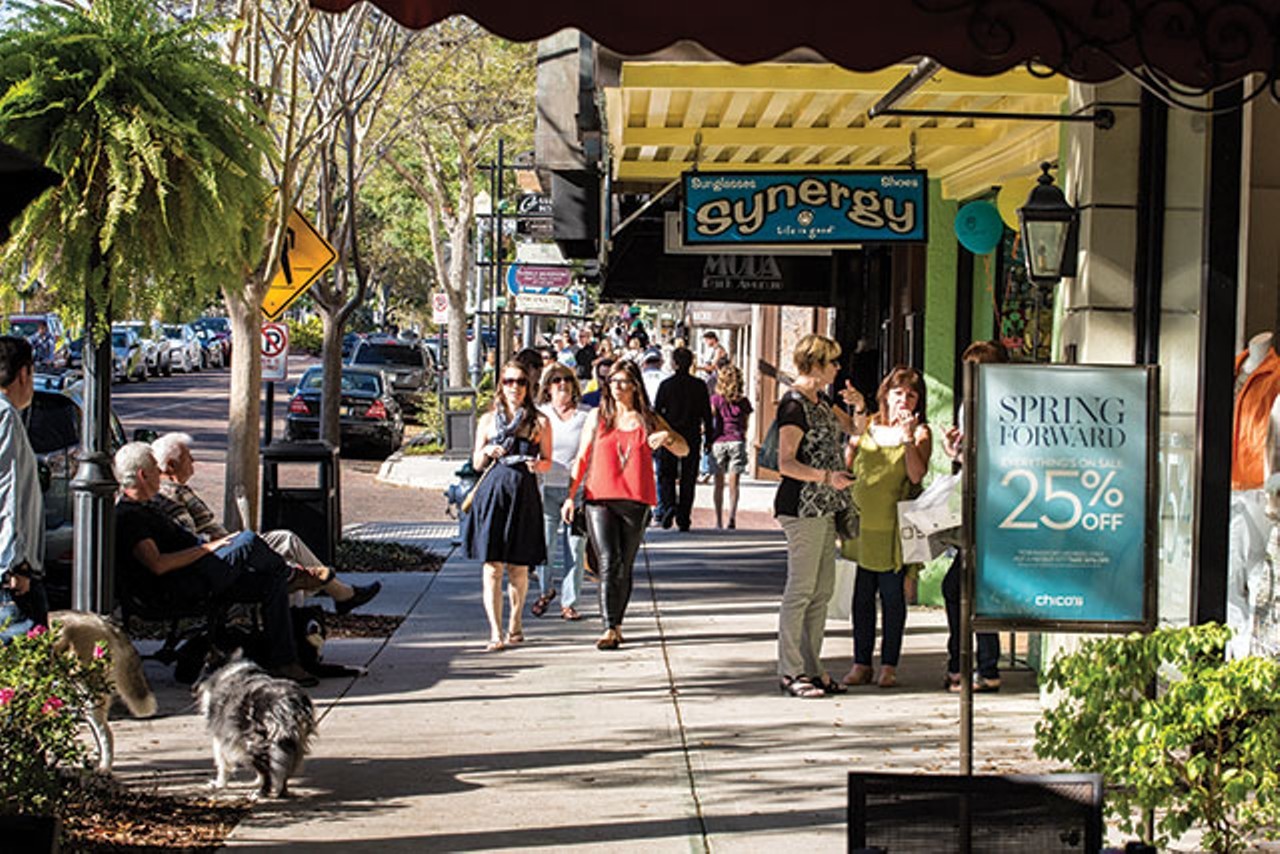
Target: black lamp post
{"type": "Point", "coordinates": [1049, 227]}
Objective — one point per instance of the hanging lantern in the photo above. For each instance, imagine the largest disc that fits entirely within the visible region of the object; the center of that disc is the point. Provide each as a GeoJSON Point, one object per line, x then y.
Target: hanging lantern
{"type": "Point", "coordinates": [1049, 227]}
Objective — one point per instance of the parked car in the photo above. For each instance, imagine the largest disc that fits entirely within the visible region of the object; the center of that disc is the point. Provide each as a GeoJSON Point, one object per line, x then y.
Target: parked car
{"type": "Point", "coordinates": [27, 325]}
{"type": "Point", "coordinates": [185, 352]}
{"type": "Point", "coordinates": [53, 426]}
{"type": "Point", "coordinates": [126, 356]}
{"type": "Point", "coordinates": [155, 350]}
{"type": "Point", "coordinates": [405, 364]}
{"type": "Point", "coordinates": [349, 342]}
{"type": "Point", "coordinates": [215, 328]}
{"type": "Point", "coordinates": [212, 353]}
{"type": "Point", "coordinates": [367, 415]}
{"type": "Point", "coordinates": [75, 352]}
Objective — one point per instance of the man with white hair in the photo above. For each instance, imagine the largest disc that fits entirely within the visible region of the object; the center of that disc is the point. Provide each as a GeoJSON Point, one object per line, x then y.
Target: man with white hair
{"type": "Point", "coordinates": [180, 503]}
{"type": "Point", "coordinates": [167, 566]}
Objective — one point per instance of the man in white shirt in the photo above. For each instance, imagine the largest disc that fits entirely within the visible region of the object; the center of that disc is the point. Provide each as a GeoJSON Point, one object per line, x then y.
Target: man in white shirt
{"type": "Point", "coordinates": [21, 502]}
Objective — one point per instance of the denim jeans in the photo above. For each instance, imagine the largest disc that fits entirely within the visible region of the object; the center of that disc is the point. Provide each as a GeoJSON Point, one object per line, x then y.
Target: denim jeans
{"type": "Point", "coordinates": [893, 601]}
{"type": "Point", "coordinates": [988, 643]}
{"type": "Point", "coordinates": [571, 548]}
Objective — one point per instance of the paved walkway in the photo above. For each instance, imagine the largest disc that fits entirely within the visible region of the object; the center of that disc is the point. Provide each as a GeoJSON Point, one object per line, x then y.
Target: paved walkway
{"type": "Point", "coordinates": [678, 742]}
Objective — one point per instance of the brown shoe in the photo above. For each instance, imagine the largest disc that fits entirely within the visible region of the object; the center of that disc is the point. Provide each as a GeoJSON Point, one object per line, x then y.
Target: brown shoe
{"type": "Point", "coordinates": [860, 674]}
{"type": "Point", "coordinates": [570, 613]}
{"type": "Point", "coordinates": [608, 640]}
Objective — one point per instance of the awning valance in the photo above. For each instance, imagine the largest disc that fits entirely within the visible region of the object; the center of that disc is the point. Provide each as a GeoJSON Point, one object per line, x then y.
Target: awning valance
{"type": "Point", "coordinates": [1197, 44]}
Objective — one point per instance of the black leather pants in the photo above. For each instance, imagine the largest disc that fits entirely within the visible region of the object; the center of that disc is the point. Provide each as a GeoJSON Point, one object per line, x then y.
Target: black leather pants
{"type": "Point", "coordinates": [616, 529]}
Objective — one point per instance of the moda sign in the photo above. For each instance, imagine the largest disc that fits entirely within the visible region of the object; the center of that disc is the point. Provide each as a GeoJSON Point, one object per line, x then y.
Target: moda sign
{"type": "Point", "coordinates": [1060, 475]}
{"type": "Point", "coordinates": [816, 208]}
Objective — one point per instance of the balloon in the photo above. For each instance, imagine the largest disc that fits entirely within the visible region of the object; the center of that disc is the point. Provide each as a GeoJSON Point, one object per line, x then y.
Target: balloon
{"type": "Point", "coordinates": [1012, 196]}
{"type": "Point", "coordinates": [979, 227]}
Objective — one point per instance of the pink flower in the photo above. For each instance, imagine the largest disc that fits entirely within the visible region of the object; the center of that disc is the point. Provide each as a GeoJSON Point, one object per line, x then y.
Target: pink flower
{"type": "Point", "coordinates": [52, 705]}
{"type": "Point", "coordinates": [6, 694]}
{"type": "Point", "coordinates": [36, 632]}
{"type": "Point", "coordinates": [99, 651]}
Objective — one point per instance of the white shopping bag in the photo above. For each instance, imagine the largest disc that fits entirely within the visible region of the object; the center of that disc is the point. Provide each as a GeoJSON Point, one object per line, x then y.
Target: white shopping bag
{"type": "Point", "coordinates": [916, 544]}
{"type": "Point", "coordinates": [841, 602]}
{"type": "Point", "coordinates": [936, 509]}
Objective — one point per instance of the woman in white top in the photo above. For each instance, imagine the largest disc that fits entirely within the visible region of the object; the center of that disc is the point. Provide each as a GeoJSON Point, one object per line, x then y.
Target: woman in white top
{"type": "Point", "coordinates": [560, 399]}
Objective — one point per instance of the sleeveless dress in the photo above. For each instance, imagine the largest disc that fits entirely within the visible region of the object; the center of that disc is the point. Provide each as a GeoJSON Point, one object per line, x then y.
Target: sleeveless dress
{"type": "Point", "coordinates": [505, 523]}
{"type": "Point", "coordinates": [881, 481]}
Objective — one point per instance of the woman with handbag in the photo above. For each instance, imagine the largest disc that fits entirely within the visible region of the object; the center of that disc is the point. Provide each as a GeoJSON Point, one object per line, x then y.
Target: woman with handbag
{"type": "Point", "coordinates": [561, 402]}
{"type": "Point", "coordinates": [730, 410]}
{"type": "Point", "coordinates": [890, 458]}
{"type": "Point", "coordinates": [813, 491]}
{"type": "Point", "coordinates": [503, 525]}
{"type": "Point", "coordinates": [614, 469]}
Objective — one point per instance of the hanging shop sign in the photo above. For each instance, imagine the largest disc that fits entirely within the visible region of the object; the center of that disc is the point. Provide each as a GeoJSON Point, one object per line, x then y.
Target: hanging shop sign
{"type": "Point", "coordinates": [538, 279]}
{"type": "Point", "coordinates": [543, 303]}
{"type": "Point", "coordinates": [1060, 479]}
{"type": "Point", "coordinates": [815, 208]}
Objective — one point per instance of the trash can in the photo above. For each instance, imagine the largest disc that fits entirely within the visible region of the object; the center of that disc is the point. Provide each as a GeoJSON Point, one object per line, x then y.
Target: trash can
{"type": "Point", "coordinates": [459, 420]}
{"type": "Point", "coordinates": [313, 512]}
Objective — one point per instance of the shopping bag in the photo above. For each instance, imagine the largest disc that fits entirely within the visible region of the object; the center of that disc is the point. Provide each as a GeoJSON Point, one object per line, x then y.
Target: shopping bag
{"type": "Point", "coordinates": [916, 547]}
{"type": "Point", "coordinates": [840, 605]}
{"type": "Point", "coordinates": [936, 509]}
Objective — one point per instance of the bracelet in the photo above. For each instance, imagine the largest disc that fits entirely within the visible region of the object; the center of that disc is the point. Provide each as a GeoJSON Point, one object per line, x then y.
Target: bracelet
{"type": "Point", "coordinates": [826, 477]}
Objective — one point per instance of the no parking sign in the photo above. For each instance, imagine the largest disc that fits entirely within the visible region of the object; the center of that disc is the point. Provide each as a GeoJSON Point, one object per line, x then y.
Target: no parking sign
{"type": "Point", "coordinates": [275, 352]}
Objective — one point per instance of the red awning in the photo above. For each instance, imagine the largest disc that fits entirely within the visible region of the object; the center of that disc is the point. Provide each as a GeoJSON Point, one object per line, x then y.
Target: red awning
{"type": "Point", "coordinates": [1200, 44]}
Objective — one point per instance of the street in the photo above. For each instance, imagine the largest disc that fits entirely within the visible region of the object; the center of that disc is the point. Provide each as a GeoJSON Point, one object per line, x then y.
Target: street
{"type": "Point", "coordinates": [197, 404]}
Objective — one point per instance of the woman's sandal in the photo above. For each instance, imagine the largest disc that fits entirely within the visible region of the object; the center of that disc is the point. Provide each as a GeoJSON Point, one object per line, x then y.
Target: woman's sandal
{"type": "Point", "coordinates": [495, 646]}
{"type": "Point", "coordinates": [829, 686]}
{"type": "Point", "coordinates": [800, 686]}
{"type": "Point", "coordinates": [514, 638]}
{"type": "Point", "coordinates": [860, 674]}
{"type": "Point", "coordinates": [540, 605]}
{"type": "Point", "coordinates": [888, 679]}
{"type": "Point", "coordinates": [570, 613]}
{"type": "Point", "coordinates": [609, 640]}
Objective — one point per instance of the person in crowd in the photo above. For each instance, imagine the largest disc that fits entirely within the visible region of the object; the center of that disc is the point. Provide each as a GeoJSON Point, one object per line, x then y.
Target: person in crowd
{"type": "Point", "coordinates": [714, 353]}
{"type": "Point", "coordinates": [603, 367]}
{"type": "Point", "coordinates": [651, 373]}
{"type": "Point", "coordinates": [890, 458]}
{"type": "Point", "coordinates": [605, 350]}
{"type": "Point", "coordinates": [730, 410]}
{"type": "Point", "coordinates": [43, 345]}
{"type": "Point", "coordinates": [615, 467]}
{"type": "Point", "coordinates": [561, 402]}
{"type": "Point", "coordinates": [813, 489]}
{"type": "Point", "coordinates": [987, 676]}
{"type": "Point", "coordinates": [504, 525]}
{"type": "Point", "coordinates": [183, 506]}
{"type": "Point", "coordinates": [682, 400]}
{"type": "Point", "coordinates": [586, 354]}
{"type": "Point", "coordinates": [168, 567]}
{"type": "Point", "coordinates": [533, 364]}
{"type": "Point", "coordinates": [566, 354]}
{"type": "Point", "coordinates": [548, 356]}
{"type": "Point", "coordinates": [21, 500]}
{"type": "Point", "coordinates": [636, 344]}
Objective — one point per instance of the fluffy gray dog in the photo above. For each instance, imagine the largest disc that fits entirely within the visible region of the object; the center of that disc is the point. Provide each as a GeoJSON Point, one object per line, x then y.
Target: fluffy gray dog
{"type": "Point", "coordinates": [256, 719]}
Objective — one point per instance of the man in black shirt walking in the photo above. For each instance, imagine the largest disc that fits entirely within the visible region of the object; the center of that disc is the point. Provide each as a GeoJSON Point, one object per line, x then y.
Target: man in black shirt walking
{"type": "Point", "coordinates": [683, 401]}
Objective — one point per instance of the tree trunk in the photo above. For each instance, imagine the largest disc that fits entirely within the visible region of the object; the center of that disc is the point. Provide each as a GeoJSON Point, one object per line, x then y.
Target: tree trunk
{"type": "Point", "coordinates": [331, 358]}
{"type": "Point", "coordinates": [458, 356]}
{"type": "Point", "coordinates": [461, 266]}
{"type": "Point", "coordinates": [244, 409]}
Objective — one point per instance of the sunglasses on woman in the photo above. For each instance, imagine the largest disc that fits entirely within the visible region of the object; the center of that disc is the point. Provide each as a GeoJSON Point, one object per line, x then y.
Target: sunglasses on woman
{"type": "Point", "coordinates": [515, 381]}
{"type": "Point", "coordinates": [557, 380]}
{"type": "Point", "coordinates": [622, 381]}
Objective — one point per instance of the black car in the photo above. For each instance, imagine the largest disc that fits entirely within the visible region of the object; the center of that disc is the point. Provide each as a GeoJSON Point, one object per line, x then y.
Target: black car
{"type": "Point", "coordinates": [405, 364]}
{"type": "Point", "coordinates": [368, 414]}
{"type": "Point", "coordinates": [53, 426]}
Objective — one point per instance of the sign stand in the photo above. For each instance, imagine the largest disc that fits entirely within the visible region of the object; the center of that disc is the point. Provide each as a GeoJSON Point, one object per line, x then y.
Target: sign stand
{"type": "Point", "coordinates": [275, 367]}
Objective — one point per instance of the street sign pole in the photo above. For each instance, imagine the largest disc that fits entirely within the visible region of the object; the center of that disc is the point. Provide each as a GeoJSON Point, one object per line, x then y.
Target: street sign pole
{"type": "Point", "coordinates": [269, 416]}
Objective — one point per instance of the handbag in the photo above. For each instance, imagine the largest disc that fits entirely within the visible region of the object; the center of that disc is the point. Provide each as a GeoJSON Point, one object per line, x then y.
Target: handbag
{"type": "Point", "coordinates": [578, 522]}
{"type": "Point", "coordinates": [471, 494]}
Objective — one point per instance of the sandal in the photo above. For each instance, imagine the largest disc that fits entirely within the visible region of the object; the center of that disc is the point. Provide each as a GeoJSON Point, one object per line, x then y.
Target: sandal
{"type": "Point", "coordinates": [983, 685]}
{"type": "Point", "coordinates": [540, 606]}
{"type": "Point", "coordinates": [515, 637]}
{"type": "Point", "coordinates": [570, 613]}
{"type": "Point", "coordinates": [609, 640]}
{"type": "Point", "coordinates": [860, 674]}
{"type": "Point", "coordinates": [829, 686]}
{"type": "Point", "coordinates": [494, 646]}
{"type": "Point", "coordinates": [888, 678]}
{"type": "Point", "coordinates": [951, 682]}
{"type": "Point", "coordinates": [800, 686]}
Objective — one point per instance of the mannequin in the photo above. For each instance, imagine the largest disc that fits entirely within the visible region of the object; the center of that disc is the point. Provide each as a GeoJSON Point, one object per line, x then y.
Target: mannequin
{"type": "Point", "coordinates": [1255, 455]}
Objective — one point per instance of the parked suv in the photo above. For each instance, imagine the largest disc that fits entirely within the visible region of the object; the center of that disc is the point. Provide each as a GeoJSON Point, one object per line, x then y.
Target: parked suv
{"type": "Point", "coordinates": [27, 325]}
{"type": "Point", "coordinates": [405, 365]}
{"type": "Point", "coordinates": [185, 352]}
{"type": "Point", "coordinates": [53, 426]}
{"type": "Point", "coordinates": [155, 350]}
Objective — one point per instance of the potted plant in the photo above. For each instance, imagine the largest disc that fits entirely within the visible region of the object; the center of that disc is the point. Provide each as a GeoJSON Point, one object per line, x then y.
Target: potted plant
{"type": "Point", "coordinates": [1202, 749]}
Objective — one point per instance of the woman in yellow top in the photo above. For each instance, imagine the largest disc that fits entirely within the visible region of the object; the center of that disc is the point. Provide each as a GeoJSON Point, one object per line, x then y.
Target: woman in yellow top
{"type": "Point", "coordinates": [890, 457]}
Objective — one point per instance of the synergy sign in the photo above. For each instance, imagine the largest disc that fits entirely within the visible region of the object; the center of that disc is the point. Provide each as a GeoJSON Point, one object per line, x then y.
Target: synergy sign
{"type": "Point", "coordinates": [1059, 474]}
{"type": "Point", "coordinates": [817, 208]}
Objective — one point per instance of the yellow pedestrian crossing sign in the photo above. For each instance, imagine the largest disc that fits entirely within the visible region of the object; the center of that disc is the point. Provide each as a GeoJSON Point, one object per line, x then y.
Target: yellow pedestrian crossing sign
{"type": "Point", "coordinates": [303, 259]}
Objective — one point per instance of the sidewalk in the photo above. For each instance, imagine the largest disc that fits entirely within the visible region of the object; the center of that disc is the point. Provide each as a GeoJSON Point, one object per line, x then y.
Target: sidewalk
{"type": "Point", "coordinates": [678, 742]}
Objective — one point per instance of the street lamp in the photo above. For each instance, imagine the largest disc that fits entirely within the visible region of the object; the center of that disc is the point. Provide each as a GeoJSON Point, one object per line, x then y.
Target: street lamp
{"type": "Point", "coordinates": [1049, 226]}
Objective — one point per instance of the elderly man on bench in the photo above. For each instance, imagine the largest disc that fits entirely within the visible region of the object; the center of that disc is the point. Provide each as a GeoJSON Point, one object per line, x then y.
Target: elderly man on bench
{"type": "Point", "coordinates": [180, 503]}
{"type": "Point", "coordinates": [165, 564]}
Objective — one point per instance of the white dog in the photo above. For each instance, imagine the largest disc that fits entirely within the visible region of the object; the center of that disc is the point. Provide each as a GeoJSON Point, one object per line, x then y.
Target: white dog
{"type": "Point", "coordinates": [81, 632]}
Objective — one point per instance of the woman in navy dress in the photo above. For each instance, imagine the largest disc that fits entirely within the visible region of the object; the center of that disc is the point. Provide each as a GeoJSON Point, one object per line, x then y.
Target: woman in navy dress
{"type": "Point", "coordinates": [504, 525]}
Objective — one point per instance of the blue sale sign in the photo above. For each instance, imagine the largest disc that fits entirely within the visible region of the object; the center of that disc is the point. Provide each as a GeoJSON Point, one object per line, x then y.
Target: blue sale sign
{"type": "Point", "coordinates": [815, 208]}
{"type": "Point", "coordinates": [1061, 462]}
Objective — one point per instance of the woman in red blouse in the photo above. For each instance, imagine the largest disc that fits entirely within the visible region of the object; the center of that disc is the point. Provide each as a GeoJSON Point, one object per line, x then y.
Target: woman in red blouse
{"type": "Point", "coordinates": [616, 461]}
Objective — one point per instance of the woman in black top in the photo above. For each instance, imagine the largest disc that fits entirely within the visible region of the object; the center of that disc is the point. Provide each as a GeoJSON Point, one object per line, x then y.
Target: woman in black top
{"type": "Point", "coordinates": [814, 489]}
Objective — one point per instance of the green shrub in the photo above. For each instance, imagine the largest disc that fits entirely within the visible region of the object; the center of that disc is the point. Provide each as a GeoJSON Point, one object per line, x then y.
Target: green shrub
{"type": "Point", "coordinates": [306, 335]}
{"type": "Point", "coordinates": [42, 696]}
{"type": "Point", "coordinates": [1204, 751]}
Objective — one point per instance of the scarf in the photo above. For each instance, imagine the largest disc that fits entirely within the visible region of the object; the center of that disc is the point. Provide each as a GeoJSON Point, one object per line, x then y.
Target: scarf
{"type": "Point", "coordinates": [504, 433]}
